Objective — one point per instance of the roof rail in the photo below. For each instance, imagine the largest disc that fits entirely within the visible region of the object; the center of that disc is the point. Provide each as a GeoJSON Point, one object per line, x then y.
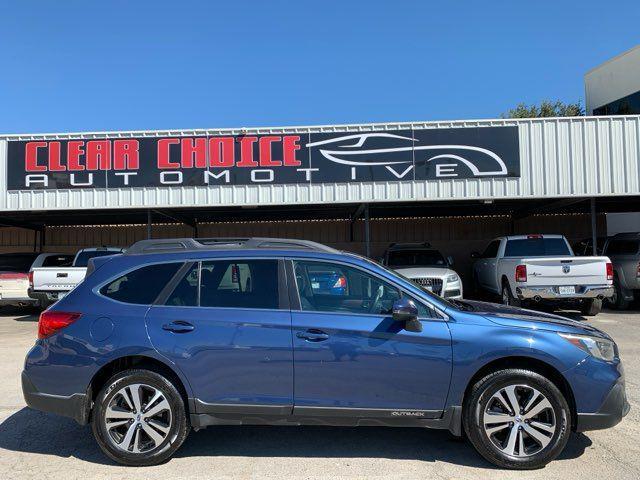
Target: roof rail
{"type": "Point", "coordinates": [191, 244]}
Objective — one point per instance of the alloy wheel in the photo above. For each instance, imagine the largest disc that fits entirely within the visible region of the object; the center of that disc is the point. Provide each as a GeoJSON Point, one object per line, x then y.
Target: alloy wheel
{"type": "Point", "coordinates": [519, 420]}
{"type": "Point", "coordinates": [138, 418]}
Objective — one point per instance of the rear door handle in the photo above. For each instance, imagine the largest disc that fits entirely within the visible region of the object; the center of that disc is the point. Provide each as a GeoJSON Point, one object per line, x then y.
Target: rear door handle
{"type": "Point", "coordinates": [313, 335]}
{"type": "Point", "coordinates": [179, 326]}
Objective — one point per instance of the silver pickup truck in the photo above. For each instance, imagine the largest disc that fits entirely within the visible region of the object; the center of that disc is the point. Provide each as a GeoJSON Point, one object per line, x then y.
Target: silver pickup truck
{"type": "Point", "coordinates": [535, 269]}
{"type": "Point", "coordinates": [49, 284]}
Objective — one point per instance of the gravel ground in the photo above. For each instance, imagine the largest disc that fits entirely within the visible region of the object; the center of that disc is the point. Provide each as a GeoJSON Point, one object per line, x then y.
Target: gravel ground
{"type": "Point", "coordinates": [37, 445]}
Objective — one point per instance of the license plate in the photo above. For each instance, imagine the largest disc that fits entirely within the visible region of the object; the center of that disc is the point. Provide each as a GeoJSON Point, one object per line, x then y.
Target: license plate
{"type": "Point", "coordinates": [567, 290]}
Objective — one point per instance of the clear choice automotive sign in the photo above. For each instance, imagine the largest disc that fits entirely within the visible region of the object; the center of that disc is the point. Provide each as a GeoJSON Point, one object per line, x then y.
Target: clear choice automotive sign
{"type": "Point", "coordinates": [394, 155]}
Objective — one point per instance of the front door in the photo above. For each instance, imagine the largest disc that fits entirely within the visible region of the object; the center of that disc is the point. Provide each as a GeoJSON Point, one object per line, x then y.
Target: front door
{"type": "Point", "coordinates": [350, 355]}
{"type": "Point", "coordinates": [227, 326]}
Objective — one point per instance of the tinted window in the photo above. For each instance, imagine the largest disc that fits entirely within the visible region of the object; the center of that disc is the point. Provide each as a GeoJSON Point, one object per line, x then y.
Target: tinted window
{"type": "Point", "coordinates": [141, 286]}
{"type": "Point", "coordinates": [186, 292]}
{"type": "Point", "coordinates": [57, 261]}
{"type": "Point", "coordinates": [407, 258]}
{"type": "Point", "coordinates": [17, 262]}
{"type": "Point", "coordinates": [623, 247]}
{"type": "Point", "coordinates": [83, 257]}
{"type": "Point", "coordinates": [239, 284]}
{"type": "Point", "coordinates": [492, 250]}
{"type": "Point", "coordinates": [329, 287]}
{"type": "Point", "coordinates": [536, 247]}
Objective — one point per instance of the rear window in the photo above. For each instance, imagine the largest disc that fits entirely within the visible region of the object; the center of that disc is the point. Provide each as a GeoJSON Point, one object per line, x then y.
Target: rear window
{"type": "Point", "coordinates": [57, 261]}
{"type": "Point", "coordinates": [623, 247]}
{"type": "Point", "coordinates": [408, 258]}
{"type": "Point", "coordinates": [141, 286]}
{"type": "Point", "coordinates": [230, 284]}
{"type": "Point", "coordinates": [536, 247]}
{"type": "Point", "coordinates": [84, 257]}
{"type": "Point", "coordinates": [17, 262]}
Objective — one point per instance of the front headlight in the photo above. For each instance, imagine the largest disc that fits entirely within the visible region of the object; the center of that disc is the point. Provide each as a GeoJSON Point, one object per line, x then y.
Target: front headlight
{"type": "Point", "coordinates": [598, 347]}
{"type": "Point", "coordinates": [453, 278]}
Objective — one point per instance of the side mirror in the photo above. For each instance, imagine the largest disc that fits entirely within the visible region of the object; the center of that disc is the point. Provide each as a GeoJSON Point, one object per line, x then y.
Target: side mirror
{"type": "Point", "coordinates": [475, 255]}
{"type": "Point", "coordinates": [404, 310]}
{"type": "Point", "coordinates": [450, 260]}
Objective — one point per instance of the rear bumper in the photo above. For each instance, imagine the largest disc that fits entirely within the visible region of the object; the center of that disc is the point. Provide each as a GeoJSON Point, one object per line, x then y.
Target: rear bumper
{"type": "Point", "coordinates": [552, 293]}
{"type": "Point", "coordinates": [610, 413]}
{"type": "Point", "coordinates": [16, 300]}
{"type": "Point", "coordinates": [45, 297]}
{"type": "Point", "coordinates": [74, 406]}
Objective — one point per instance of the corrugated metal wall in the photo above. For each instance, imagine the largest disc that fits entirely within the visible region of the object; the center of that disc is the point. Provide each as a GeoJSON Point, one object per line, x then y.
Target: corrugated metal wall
{"type": "Point", "coordinates": [455, 236]}
{"type": "Point", "coordinates": [563, 157]}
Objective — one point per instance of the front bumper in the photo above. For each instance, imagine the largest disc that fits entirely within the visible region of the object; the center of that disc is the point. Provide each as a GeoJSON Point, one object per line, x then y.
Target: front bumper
{"type": "Point", "coordinates": [611, 412]}
{"type": "Point", "coordinates": [74, 406]}
{"type": "Point", "coordinates": [552, 292]}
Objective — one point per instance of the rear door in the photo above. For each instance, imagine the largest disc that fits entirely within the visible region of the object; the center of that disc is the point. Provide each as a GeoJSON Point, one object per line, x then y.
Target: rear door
{"type": "Point", "coordinates": [227, 325]}
{"type": "Point", "coordinates": [351, 358]}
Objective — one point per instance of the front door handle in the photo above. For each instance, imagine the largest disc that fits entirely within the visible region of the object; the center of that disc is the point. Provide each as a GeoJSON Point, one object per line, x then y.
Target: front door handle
{"type": "Point", "coordinates": [179, 326]}
{"type": "Point", "coordinates": [313, 335]}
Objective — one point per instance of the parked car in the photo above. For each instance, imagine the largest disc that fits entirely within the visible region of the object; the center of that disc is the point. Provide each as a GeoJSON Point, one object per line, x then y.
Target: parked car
{"type": "Point", "coordinates": [48, 284]}
{"type": "Point", "coordinates": [542, 268]}
{"type": "Point", "coordinates": [14, 274]}
{"type": "Point", "coordinates": [624, 251]}
{"type": "Point", "coordinates": [426, 266]}
{"type": "Point", "coordinates": [156, 342]}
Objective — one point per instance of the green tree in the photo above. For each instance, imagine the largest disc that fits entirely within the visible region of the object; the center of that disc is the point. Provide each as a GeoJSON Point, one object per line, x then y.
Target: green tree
{"type": "Point", "coordinates": [546, 109]}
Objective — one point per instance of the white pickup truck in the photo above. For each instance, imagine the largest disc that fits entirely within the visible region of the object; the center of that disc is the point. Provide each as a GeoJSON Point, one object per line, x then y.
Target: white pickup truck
{"type": "Point", "coordinates": [543, 269]}
{"type": "Point", "coordinates": [49, 284]}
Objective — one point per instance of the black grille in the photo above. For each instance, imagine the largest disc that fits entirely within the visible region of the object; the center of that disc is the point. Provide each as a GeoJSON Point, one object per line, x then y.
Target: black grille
{"type": "Point", "coordinates": [434, 284]}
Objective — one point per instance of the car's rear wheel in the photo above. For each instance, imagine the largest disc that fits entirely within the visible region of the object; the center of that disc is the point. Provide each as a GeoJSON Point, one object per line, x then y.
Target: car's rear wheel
{"type": "Point", "coordinates": [139, 418]}
{"type": "Point", "coordinates": [618, 300]}
{"type": "Point", "coordinates": [507, 296]}
{"type": "Point", "coordinates": [517, 419]}
{"type": "Point", "coordinates": [591, 307]}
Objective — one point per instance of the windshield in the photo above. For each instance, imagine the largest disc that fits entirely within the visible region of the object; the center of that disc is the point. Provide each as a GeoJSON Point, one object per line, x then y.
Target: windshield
{"type": "Point", "coordinates": [17, 262]}
{"type": "Point", "coordinates": [416, 258]}
{"type": "Point", "coordinates": [537, 247]}
{"type": "Point", "coordinates": [83, 257]}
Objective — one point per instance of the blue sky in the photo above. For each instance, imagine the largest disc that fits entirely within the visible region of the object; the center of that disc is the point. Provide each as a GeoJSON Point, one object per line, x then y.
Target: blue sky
{"type": "Point", "coordinates": [117, 65]}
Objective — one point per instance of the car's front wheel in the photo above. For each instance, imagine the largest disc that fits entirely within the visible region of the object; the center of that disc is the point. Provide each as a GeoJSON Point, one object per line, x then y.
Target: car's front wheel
{"type": "Point", "coordinates": [517, 419]}
{"type": "Point", "coordinates": [139, 418]}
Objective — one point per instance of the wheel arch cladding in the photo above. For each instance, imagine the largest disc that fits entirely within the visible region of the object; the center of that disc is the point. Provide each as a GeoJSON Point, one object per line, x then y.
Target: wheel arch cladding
{"type": "Point", "coordinates": [139, 362]}
{"type": "Point", "coordinates": [527, 363]}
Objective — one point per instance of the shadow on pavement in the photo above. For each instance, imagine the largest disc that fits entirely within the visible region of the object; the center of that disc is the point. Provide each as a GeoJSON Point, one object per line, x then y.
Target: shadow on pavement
{"type": "Point", "coordinates": [30, 431]}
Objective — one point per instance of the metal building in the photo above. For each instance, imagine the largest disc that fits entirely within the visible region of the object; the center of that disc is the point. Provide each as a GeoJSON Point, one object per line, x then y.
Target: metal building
{"type": "Point", "coordinates": [360, 187]}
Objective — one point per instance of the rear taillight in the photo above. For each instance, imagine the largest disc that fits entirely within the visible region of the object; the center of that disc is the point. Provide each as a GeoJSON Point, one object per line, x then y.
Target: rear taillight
{"type": "Point", "coordinates": [521, 273]}
{"type": "Point", "coordinates": [638, 271]}
{"type": "Point", "coordinates": [535, 235]}
{"type": "Point", "coordinates": [340, 283]}
{"type": "Point", "coordinates": [30, 279]}
{"type": "Point", "coordinates": [609, 271]}
{"type": "Point", "coordinates": [52, 322]}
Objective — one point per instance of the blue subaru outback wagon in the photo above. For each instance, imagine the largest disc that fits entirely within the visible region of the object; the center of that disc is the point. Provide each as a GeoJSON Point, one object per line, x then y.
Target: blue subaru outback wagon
{"type": "Point", "coordinates": [183, 333]}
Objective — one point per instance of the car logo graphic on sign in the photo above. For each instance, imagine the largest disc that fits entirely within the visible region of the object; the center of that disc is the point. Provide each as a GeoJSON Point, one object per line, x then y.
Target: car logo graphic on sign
{"type": "Point", "coordinates": [351, 150]}
{"type": "Point", "coordinates": [566, 269]}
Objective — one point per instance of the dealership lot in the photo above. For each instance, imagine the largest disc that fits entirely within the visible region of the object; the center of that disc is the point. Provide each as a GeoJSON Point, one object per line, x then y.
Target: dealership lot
{"type": "Point", "coordinates": [38, 445]}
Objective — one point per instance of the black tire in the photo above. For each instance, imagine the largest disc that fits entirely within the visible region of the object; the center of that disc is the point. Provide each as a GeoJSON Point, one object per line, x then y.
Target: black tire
{"type": "Point", "coordinates": [178, 429]}
{"type": "Point", "coordinates": [478, 399]}
{"type": "Point", "coordinates": [507, 297]}
{"type": "Point", "coordinates": [591, 307]}
{"type": "Point", "coordinates": [618, 302]}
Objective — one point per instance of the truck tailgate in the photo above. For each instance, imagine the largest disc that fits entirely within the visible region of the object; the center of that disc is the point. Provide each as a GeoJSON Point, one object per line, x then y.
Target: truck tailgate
{"type": "Point", "coordinates": [56, 279]}
{"type": "Point", "coordinates": [566, 270]}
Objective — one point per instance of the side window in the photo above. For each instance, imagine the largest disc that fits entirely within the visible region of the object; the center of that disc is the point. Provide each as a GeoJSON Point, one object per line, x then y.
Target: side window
{"type": "Point", "coordinates": [186, 292]}
{"type": "Point", "coordinates": [623, 247]}
{"type": "Point", "coordinates": [330, 287]}
{"type": "Point", "coordinates": [141, 286]}
{"type": "Point", "coordinates": [492, 250]}
{"type": "Point", "coordinates": [239, 284]}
